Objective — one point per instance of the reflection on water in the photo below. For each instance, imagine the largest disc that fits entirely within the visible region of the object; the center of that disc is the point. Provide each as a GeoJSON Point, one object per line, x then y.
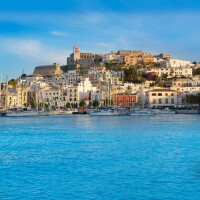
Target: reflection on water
{"type": "Point", "coordinates": [83, 157]}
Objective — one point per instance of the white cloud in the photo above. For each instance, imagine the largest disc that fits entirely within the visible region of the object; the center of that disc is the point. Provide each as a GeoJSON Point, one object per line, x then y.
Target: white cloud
{"type": "Point", "coordinates": [33, 51]}
{"type": "Point", "coordinates": [58, 33]}
{"type": "Point", "coordinates": [21, 47]}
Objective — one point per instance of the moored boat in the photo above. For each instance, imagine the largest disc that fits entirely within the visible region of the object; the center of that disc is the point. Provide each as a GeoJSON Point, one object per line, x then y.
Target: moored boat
{"type": "Point", "coordinates": [139, 112]}
{"type": "Point", "coordinates": [163, 111]}
{"type": "Point", "coordinates": [22, 113]}
{"type": "Point", "coordinates": [104, 113]}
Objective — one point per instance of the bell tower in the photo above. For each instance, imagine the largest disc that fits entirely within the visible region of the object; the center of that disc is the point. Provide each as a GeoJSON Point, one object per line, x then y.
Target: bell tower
{"type": "Point", "coordinates": [76, 52]}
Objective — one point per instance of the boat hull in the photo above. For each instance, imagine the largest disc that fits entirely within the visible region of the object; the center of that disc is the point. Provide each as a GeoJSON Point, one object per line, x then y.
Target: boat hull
{"type": "Point", "coordinates": [22, 114]}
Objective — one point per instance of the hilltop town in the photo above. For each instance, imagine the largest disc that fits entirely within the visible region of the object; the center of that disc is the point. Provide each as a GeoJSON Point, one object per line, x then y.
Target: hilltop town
{"type": "Point", "coordinates": [126, 78]}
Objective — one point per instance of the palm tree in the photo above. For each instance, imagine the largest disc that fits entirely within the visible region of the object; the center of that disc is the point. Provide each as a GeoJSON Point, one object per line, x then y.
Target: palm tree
{"type": "Point", "coordinates": [198, 99]}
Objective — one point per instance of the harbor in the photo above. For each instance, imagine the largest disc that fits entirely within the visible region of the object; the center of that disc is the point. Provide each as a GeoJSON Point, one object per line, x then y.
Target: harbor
{"type": "Point", "coordinates": [99, 100]}
{"type": "Point", "coordinates": [95, 156]}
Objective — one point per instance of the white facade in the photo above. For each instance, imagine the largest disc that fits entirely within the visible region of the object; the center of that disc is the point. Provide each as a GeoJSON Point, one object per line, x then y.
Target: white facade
{"type": "Point", "coordinates": [175, 63]}
{"type": "Point", "coordinates": [53, 97]}
{"type": "Point", "coordinates": [109, 57]}
{"type": "Point", "coordinates": [162, 97]}
{"type": "Point", "coordinates": [72, 73]}
{"type": "Point", "coordinates": [187, 90]}
{"type": "Point", "coordinates": [172, 72]}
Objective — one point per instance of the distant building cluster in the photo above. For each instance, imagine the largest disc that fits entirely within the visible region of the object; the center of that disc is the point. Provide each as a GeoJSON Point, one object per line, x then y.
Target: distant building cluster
{"type": "Point", "coordinates": [124, 78]}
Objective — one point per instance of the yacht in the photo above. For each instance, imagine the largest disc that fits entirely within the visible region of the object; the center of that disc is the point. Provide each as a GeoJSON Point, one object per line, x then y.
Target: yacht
{"type": "Point", "coordinates": [163, 111]}
{"type": "Point", "coordinates": [104, 113]}
{"type": "Point", "coordinates": [22, 113]}
{"type": "Point", "coordinates": [65, 112]}
{"type": "Point", "coordinates": [139, 111]}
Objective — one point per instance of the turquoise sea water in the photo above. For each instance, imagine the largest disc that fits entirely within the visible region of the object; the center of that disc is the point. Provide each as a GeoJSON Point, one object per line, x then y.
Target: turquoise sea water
{"type": "Point", "coordinates": [83, 157]}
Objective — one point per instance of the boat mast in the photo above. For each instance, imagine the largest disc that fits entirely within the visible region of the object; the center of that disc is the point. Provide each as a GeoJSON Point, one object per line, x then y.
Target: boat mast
{"type": "Point", "coordinates": [6, 103]}
{"type": "Point", "coordinates": [0, 86]}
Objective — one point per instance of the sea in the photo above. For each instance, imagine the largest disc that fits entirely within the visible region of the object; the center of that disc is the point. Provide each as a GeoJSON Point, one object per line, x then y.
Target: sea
{"type": "Point", "coordinates": [113, 157]}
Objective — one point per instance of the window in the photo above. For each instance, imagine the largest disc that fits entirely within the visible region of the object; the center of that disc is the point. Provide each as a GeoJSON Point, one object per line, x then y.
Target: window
{"type": "Point", "coordinates": [166, 94]}
{"type": "Point", "coordinates": [153, 94]}
{"type": "Point", "coordinates": [172, 101]}
{"type": "Point", "coordinates": [160, 101]}
{"type": "Point", "coordinates": [166, 101]}
{"type": "Point", "coordinates": [159, 94]}
{"type": "Point", "coordinates": [172, 94]}
{"type": "Point", "coordinates": [154, 101]}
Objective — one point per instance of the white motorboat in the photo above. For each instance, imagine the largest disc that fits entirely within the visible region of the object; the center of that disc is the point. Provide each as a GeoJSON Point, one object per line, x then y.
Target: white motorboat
{"type": "Point", "coordinates": [48, 112]}
{"type": "Point", "coordinates": [104, 113]}
{"type": "Point", "coordinates": [141, 112]}
{"type": "Point", "coordinates": [163, 111]}
{"type": "Point", "coordinates": [65, 112]}
{"type": "Point", "coordinates": [22, 113]}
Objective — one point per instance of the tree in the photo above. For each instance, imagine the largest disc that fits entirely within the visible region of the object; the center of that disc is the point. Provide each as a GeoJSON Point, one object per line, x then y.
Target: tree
{"type": "Point", "coordinates": [112, 103]}
{"type": "Point", "coordinates": [72, 105]}
{"type": "Point", "coordinates": [190, 99]}
{"type": "Point", "coordinates": [95, 103]}
{"type": "Point", "coordinates": [151, 84]}
{"type": "Point", "coordinates": [53, 107]}
{"type": "Point", "coordinates": [198, 99]}
{"type": "Point", "coordinates": [13, 83]}
{"type": "Point", "coordinates": [47, 106]}
{"type": "Point", "coordinates": [82, 103]}
{"type": "Point", "coordinates": [130, 74]}
{"type": "Point", "coordinates": [107, 65]}
{"type": "Point", "coordinates": [75, 105]}
{"type": "Point", "coordinates": [196, 71]}
{"type": "Point", "coordinates": [81, 71]}
{"type": "Point", "coordinates": [164, 76]}
{"type": "Point", "coordinates": [41, 105]}
{"type": "Point", "coordinates": [68, 105]}
{"type": "Point", "coordinates": [33, 104]}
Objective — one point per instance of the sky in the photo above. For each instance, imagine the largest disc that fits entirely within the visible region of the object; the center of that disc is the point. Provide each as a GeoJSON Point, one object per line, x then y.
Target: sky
{"type": "Point", "coordinates": [39, 32]}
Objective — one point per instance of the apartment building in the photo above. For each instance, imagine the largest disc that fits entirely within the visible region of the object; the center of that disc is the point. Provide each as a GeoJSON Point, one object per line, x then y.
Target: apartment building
{"type": "Point", "coordinates": [162, 97]}
{"type": "Point", "coordinates": [172, 72]}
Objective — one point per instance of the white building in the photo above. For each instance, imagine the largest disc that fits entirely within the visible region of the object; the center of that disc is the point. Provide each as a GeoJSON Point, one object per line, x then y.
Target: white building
{"type": "Point", "coordinates": [110, 57]}
{"type": "Point", "coordinates": [162, 97]}
{"type": "Point", "coordinates": [187, 90]}
{"type": "Point", "coordinates": [172, 72]}
{"type": "Point", "coordinates": [83, 91]}
{"type": "Point", "coordinates": [175, 63]}
{"type": "Point", "coordinates": [53, 97]}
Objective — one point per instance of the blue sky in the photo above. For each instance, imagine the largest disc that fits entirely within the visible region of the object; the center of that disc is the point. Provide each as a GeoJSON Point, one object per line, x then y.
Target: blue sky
{"type": "Point", "coordinates": [42, 32]}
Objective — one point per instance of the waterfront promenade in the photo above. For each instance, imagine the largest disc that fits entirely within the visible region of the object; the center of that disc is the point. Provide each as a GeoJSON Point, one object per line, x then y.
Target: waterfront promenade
{"type": "Point", "coordinates": [83, 157]}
